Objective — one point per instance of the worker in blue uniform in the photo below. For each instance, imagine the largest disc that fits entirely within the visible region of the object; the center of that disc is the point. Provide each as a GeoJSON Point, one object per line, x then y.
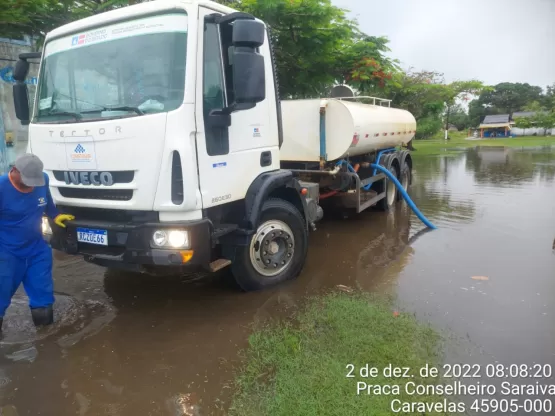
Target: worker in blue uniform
{"type": "Point", "coordinates": [24, 255]}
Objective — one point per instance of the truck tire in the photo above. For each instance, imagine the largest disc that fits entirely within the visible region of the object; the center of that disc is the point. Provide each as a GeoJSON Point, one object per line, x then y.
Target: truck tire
{"type": "Point", "coordinates": [282, 230]}
{"type": "Point", "coordinates": [405, 178]}
{"type": "Point", "coordinates": [388, 202]}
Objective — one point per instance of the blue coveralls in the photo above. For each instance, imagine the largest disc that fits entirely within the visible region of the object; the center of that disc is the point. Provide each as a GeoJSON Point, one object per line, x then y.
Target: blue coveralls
{"type": "Point", "coordinates": [24, 255]}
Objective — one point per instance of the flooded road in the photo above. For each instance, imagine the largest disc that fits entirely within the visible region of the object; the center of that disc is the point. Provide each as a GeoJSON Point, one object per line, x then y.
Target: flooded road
{"type": "Point", "coordinates": [127, 344]}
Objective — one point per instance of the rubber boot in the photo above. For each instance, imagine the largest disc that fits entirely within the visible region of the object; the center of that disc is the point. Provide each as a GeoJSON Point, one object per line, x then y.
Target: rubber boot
{"type": "Point", "coordinates": [43, 316]}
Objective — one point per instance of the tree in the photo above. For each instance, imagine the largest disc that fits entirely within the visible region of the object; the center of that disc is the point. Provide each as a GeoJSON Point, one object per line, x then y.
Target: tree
{"type": "Point", "coordinates": [417, 92]}
{"type": "Point", "coordinates": [428, 126]}
{"type": "Point", "coordinates": [459, 118]}
{"type": "Point", "coordinates": [549, 98]}
{"type": "Point", "coordinates": [428, 97]}
{"type": "Point", "coordinates": [364, 65]}
{"type": "Point", "coordinates": [523, 123]}
{"type": "Point", "coordinates": [534, 106]}
{"type": "Point", "coordinates": [455, 90]}
{"type": "Point", "coordinates": [507, 97]}
{"type": "Point", "coordinates": [544, 120]}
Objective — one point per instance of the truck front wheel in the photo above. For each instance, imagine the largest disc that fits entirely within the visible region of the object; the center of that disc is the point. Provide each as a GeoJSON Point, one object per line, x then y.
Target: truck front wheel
{"type": "Point", "coordinates": [277, 250]}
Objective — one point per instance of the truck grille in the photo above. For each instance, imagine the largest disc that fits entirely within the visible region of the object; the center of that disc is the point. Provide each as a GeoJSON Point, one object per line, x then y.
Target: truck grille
{"type": "Point", "coordinates": [121, 176]}
{"type": "Point", "coordinates": [103, 194]}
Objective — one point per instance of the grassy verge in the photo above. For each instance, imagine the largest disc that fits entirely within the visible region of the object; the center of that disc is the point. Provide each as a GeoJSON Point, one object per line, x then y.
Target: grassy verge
{"type": "Point", "coordinates": [301, 369]}
{"type": "Point", "coordinates": [440, 146]}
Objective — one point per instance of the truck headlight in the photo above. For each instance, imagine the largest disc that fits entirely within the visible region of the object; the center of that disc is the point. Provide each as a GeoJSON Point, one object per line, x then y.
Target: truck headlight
{"type": "Point", "coordinates": [45, 226]}
{"type": "Point", "coordinates": [178, 239]}
{"type": "Point", "coordinates": [160, 238]}
{"type": "Point", "coordinates": [170, 239]}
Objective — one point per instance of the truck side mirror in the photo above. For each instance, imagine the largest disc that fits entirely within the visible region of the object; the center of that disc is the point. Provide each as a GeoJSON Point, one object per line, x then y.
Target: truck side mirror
{"type": "Point", "coordinates": [249, 77]}
{"type": "Point", "coordinates": [20, 92]}
{"type": "Point", "coordinates": [21, 102]}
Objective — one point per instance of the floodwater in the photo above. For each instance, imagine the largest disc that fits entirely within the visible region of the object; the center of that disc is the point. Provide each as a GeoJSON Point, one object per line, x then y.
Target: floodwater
{"type": "Point", "coordinates": [127, 344]}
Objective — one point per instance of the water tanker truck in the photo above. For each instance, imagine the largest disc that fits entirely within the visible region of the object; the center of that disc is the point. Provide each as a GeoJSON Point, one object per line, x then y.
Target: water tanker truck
{"type": "Point", "coordinates": [161, 130]}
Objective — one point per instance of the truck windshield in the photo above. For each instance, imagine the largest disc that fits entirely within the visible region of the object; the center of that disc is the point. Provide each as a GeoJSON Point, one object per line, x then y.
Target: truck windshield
{"type": "Point", "coordinates": [116, 74]}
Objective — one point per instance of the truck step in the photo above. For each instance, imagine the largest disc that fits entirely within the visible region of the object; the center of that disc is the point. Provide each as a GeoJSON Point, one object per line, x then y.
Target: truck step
{"type": "Point", "coordinates": [223, 229]}
{"type": "Point", "coordinates": [219, 264]}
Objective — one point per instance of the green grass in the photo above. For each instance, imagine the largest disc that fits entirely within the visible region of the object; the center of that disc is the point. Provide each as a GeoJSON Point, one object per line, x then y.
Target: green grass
{"type": "Point", "coordinates": [439, 146]}
{"type": "Point", "coordinates": [300, 368]}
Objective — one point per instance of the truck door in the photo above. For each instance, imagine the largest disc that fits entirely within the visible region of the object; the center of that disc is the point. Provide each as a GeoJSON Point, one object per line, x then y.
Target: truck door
{"type": "Point", "coordinates": [230, 158]}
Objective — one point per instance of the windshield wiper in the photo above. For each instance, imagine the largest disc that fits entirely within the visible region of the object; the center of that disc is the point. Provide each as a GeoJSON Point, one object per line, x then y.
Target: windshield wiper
{"type": "Point", "coordinates": [77, 116]}
{"type": "Point", "coordinates": [125, 108]}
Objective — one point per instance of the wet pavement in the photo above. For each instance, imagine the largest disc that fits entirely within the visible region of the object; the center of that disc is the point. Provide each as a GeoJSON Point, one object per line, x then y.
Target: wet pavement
{"type": "Point", "coordinates": [127, 344]}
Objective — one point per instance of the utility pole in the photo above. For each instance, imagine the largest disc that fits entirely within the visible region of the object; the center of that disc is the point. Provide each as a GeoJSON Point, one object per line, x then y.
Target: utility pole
{"type": "Point", "coordinates": [447, 121]}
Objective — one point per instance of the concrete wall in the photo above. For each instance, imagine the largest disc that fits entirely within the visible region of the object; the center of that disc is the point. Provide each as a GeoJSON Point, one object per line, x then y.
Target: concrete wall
{"type": "Point", "coordinates": [11, 129]}
{"type": "Point", "coordinates": [530, 132]}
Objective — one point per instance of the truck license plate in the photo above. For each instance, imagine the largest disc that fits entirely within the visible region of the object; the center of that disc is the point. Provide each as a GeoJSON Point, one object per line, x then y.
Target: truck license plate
{"type": "Point", "coordinates": [91, 236]}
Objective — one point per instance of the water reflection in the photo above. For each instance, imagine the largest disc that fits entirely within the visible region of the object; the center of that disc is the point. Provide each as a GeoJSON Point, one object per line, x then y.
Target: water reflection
{"type": "Point", "coordinates": [356, 251]}
{"type": "Point", "coordinates": [452, 190]}
{"type": "Point", "coordinates": [511, 167]}
{"type": "Point", "coordinates": [439, 184]}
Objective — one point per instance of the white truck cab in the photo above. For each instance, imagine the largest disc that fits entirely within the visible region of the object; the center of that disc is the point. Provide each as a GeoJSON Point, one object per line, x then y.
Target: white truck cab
{"type": "Point", "coordinates": [159, 126]}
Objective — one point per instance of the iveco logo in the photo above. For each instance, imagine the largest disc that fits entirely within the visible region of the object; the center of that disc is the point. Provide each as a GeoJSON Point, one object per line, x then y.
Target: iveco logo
{"type": "Point", "coordinates": [89, 178]}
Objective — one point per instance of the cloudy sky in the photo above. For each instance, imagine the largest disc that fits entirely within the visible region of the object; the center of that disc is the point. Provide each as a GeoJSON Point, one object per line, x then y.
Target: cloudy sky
{"type": "Point", "coordinates": [490, 40]}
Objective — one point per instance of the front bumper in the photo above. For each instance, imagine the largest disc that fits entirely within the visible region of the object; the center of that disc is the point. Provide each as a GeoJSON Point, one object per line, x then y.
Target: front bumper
{"type": "Point", "coordinates": [129, 245]}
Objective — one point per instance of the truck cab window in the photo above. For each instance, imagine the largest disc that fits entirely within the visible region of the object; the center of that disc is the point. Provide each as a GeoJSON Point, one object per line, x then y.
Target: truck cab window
{"type": "Point", "coordinates": [217, 138]}
{"type": "Point", "coordinates": [115, 73]}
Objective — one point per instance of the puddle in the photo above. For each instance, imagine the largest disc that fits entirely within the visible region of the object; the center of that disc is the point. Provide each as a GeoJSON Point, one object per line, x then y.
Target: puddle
{"type": "Point", "coordinates": [73, 320]}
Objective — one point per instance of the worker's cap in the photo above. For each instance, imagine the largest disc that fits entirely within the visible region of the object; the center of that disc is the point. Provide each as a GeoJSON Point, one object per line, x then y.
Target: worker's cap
{"type": "Point", "coordinates": [30, 167]}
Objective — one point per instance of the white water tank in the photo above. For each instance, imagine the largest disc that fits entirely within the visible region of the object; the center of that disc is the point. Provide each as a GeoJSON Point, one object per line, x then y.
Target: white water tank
{"type": "Point", "coordinates": [351, 128]}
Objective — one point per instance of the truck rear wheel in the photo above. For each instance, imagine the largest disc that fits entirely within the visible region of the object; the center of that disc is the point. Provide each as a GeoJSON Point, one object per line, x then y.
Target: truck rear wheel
{"type": "Point", "coordinates": [404, 179]}
{"type": "Point", "coordinates": [277, 250]}
{"type": "Point", "coordinates": [386, 203]}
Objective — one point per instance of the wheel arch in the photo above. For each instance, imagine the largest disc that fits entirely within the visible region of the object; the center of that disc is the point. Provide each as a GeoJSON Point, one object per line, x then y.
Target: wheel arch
{"type": "Point", "coordinates": [292, 195]}
{"type": "Point", "coordinates": [275, 184]}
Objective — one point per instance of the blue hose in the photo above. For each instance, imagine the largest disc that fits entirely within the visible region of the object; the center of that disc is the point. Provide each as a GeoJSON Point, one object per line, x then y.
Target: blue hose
{"type": "Point", "coordinates": [379, 155]}
{"type": "Point", "coordinates": [400, 188]}
{"type": "Point", "coordinates": [344, 162]}
{"type": "Point", "coordinates": [405, 195]}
